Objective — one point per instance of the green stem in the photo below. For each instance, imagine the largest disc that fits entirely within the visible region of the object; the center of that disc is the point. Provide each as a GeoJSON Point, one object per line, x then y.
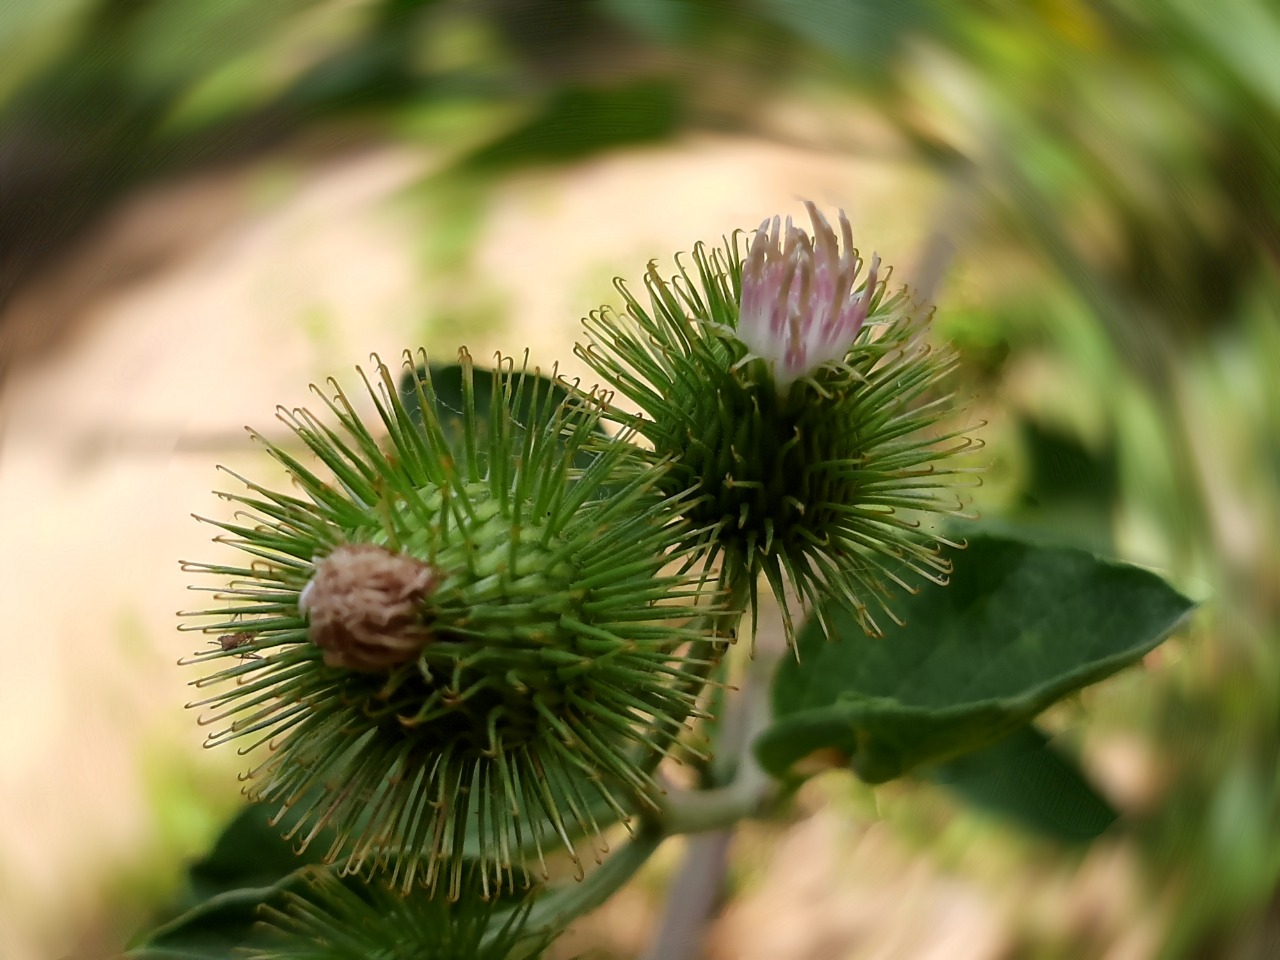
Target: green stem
{"type": "Point", "coordinates": [695, 811]}
{"type": "Point", "coordinates": [686, 812]}
{"type": "Point", "coordinates": [694, 895]}
{"type": "Point", "coordinates": [715, 811]}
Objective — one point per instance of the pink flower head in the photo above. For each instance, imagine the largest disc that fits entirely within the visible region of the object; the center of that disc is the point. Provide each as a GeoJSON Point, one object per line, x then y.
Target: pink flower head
{"type": "Point", "coordinates": [801, 307]}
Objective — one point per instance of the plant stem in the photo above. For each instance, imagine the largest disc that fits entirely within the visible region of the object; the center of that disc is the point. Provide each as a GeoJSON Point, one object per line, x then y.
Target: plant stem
{"type": "Point", "coordinates": [694, 811]}
{"type": "Point", "coordinates": [693, 898]}
{"type": "Point", "coordinates": [695, 893]}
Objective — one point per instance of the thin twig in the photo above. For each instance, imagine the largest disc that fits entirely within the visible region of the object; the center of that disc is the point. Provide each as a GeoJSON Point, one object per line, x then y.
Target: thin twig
{"type": "Point", "coordinates": [695, 894]}
{"type": "Point", "coordinates": [694, 897]}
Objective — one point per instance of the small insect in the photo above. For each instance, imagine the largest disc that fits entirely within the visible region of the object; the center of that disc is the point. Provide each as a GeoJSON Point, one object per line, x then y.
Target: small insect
{"type": "Point", "coordinates": [230, 641]}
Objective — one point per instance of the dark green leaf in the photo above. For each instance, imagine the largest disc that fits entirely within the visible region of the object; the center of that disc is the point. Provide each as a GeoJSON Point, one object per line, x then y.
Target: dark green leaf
{"type": "Point", "coordinates": [1070, 489]}
{"type": "Point", "coordinates": [216, 927]}
{"type": "Point", "coordinates": [252, 852]}
{"type": "Point", "coordinates": [579, 121]}
{"type": "Point", "coordinates": [1063, 468]}
{"type": "Point", "coordinates": [447, 381]}
{"type": "Point", "coordinates": [251, 865]}
{"type": "Point", "coordinates": [865, 34]}
{"type": "Point", "coordinates": [1024, 778]}
{"type": "Point", "coordinates": [539, 396]}
{"type": "Point", "coordinates": [1019, 627]}
{"type": "Point", "coordinates": [250, 862]}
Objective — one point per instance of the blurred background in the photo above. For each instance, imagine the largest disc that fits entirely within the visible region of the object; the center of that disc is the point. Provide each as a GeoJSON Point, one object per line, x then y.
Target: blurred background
{"type": "Point", "coordinates": [205, 205]}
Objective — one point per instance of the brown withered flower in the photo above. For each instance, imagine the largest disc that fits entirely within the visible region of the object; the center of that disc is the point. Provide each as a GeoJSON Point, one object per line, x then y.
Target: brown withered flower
{"type": "Point", "coordinates": [364, 607]}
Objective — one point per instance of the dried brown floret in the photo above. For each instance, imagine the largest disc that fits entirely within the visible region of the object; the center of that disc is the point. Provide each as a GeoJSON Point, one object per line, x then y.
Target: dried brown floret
{"type": "Point", "coordinates": [364, 606]}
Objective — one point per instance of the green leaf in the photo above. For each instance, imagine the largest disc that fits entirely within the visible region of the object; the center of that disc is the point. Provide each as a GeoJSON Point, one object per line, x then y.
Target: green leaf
{"type": "Point", "coordinates": [577, 122]}
{"type": "Point", "coordinates": [866, 34]}
{"type": "Point", "coordinates": [1063, 468]}
{"type": "Point", "coordinates": [250, 862]}
{"type": "Point", "coordinates": [1019, 627]}
{"type": "Point", "coordinates": [1070, 489]}
{"type": "Point", "coordinates": [252, 852]}
{"type": "Point", "coordinates": [251, 867]}
{"type": "Point", "coordinates": [1024, 778]}
{"type": "Point", "coordinates": [536, 398]}
{"type": "Point", "coordinates": [217, 927]}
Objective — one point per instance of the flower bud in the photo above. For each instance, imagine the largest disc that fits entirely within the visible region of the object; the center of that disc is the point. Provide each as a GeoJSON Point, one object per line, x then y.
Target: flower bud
{"type": "Point", "coordinates": [804, 411]}
{"type": "Point", "coordinates": [801, 308]}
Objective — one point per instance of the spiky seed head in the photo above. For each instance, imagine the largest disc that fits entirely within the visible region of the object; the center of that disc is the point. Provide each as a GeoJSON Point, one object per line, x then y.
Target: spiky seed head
{"type": "Point", "coordinates": [805, 410]}
{"type": "Point", "coordinates": [460, 645]}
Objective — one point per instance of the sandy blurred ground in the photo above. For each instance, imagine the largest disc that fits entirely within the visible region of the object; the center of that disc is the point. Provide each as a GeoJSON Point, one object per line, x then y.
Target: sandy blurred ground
{"type": "Point", "coordinates": [195, 310]}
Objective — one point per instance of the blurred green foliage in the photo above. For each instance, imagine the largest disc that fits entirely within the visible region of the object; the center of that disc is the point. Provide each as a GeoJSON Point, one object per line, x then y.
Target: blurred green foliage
{"type": "Point", "coordinates": [1113, 177]}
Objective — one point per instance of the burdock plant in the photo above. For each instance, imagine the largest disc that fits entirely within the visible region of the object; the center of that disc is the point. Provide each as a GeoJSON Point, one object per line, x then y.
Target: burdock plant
{"type": "Point", "coordinates": [460, 645]}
